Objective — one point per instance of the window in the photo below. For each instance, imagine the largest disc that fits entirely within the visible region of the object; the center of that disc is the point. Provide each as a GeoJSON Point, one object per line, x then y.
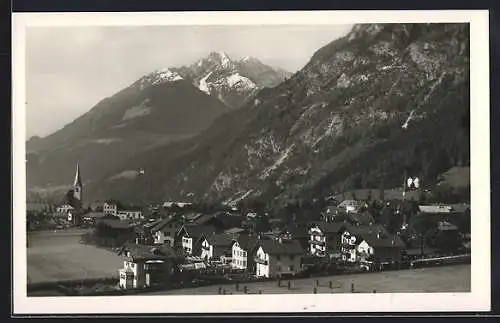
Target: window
{"type": "Point", "coordinates": [170, 225]}
{"type": "Point", "coordinates": [278, 268]}
{"type": "Point", "coordinates": [167, 233]}
{"type": "Point", "coordinates": [291, 268]}
{"type": "Point", "coordinates": [292, 257]}
{"type": "Point", "coordinates": [278, 257]}
{"type": "Point", "coordinates": [244, 263]}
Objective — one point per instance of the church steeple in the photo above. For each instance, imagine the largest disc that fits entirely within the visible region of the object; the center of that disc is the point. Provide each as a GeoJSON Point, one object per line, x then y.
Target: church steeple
{"type": "Point", "coordinates": [77, 185]}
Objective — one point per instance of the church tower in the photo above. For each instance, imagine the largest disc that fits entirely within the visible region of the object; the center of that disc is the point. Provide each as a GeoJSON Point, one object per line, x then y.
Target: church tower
{"type": "Point", "coordinates": [77, 185]}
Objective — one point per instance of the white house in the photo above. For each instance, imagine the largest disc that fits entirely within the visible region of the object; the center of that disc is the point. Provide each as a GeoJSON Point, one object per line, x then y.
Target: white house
{"type": "Point", "coordinates": [352, 237]}
{"type": "Point", "coordinates": [65, 208]}
{"type": "Point", "coordinates": [325, 238]}
{"type": "Point", "coordinates": [190, 236]}
{"type": "Point", "coordinates": [130, 215]}
{"type": "Point", "coordinates": [242, 256]}
{"type": "Point", "coordinates": [215, 246]}
{"type": "Point", "coordinates": [350, 205]}
{"type": "Point", "coordinates": [276, 258]}
{"type": "Point", "coordinates": [110, 208]}
{"type": "Point", "coordinates": [164, 231]}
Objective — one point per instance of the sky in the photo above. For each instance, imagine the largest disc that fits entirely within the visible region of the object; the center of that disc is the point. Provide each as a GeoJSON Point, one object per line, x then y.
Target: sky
{"type": "Point", "coordinates": [70, 69]}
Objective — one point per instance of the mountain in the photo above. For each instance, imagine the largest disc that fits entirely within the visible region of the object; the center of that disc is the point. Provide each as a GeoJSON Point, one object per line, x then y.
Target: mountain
{"type": "Point", "coordinates": [159, 108]}
{"type": "Point", "coordinates": [385, 100]}
{"type": "Point", "coordinates": [234, 82]}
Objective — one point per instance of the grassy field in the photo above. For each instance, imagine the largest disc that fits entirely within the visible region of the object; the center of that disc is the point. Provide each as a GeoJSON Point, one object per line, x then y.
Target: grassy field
{"type": "Point", "coordinates": [436, 279]}
{"type": "Point", "coordinates": [55, 256]}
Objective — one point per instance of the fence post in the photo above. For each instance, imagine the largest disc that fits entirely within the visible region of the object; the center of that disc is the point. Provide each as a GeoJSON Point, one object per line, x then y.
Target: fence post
{"type": "Point", "coordinates": [331, 284]}
{"type": "Point", "coordinates": [352, 287]}
{"type": "Point", "coordinates": [220, 290]}
{"type": "Point", "coordinates": [245, 289]}
{"type": "Point", "coordinates": [374, 291]}
{"type": "Point", "coordinates": [237, 286]}
{"type": "Point", "coordinates": [315, 291]}
{"type": "Point", "coordinates": [279, 282]}
{"type": "Point", "coordinates": [260, 291]}
{"type": "Point", "coordinates": [289, 285]}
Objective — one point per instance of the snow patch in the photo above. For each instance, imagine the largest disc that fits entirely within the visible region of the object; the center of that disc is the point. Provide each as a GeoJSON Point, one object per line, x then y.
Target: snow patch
{"type": "Point", "coordinates": [240, 81]}
{"type": "Point", "coordinates": [105, 141]}
{"type": "Point", "coordinates": [203, 86]}
{"type": "Point", "coordinates": [277, 163]}
{"type": "Point", "coordinates": [127, 174]}
{"type": "Point", "coordinates": [407, 122]}
{"type": "Point", "coordinates": [135, 112]}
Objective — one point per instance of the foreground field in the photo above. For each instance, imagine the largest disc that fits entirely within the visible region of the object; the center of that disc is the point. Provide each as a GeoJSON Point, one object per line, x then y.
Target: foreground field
{"type": "Point", "coordinates": [436, 279]}
{"type": "Point", "coordinates": [55, 256]}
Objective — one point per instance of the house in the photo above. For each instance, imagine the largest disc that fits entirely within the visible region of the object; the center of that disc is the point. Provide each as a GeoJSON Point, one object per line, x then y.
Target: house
{"type": "Point", "coordinates": [235, 231]}
{"type": "Point", "coordinates": [380, 249]}
{"type": "Point", "coordinates": [215, 246]}
{"type": "Point", "coordinates": [350, 205]}
{"type": "Point", "coordinates": [131, 213]}
{"type": "Point", "coordinates": [352, 236]}
{"type": "Point", "coordinates": [242, 252]}
{"type": "Point", "coordinates": [300, 233]}
{"type": "Point", "coordinates": [64, 208]}
{"type": "Point", "coordinates": [146, 266]}
{"type": "Point", "coordinates": [325, 238]}
{"type": "Point", "coordinates": [164, 231]}
{"type": "Point", "coordinates": [278, 258]}
{"type": "Point", "coordinates": [92, 217]}
{"type": "Point", "coordinates": [448, 238]}
{"type": "Point", "coordinates": [190, 234]}
{"type": "Point", "coordinates": [110, 207]}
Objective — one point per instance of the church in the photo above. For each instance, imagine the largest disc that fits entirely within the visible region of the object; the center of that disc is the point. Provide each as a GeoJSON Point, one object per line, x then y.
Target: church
{"type": "Point", "coordinates": [73, 200]}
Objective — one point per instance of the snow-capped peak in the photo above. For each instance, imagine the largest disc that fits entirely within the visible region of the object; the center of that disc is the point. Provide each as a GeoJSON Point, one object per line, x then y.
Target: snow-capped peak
{"type": "Point", "coordinates": [162, 75]}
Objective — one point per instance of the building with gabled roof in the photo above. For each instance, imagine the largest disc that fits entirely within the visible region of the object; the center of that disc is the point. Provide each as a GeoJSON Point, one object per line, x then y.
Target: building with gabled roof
{"type": "Point", "coordinates": [278, 258]}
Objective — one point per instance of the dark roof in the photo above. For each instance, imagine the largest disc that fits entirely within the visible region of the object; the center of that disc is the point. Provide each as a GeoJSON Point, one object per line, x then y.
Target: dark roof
{"type": "Point", "coordinates": [392, 241]}
{"type": "Point", "coordinates": [364, 218]}
{"type": "Point", "coordinates": [230, 221]}
{"type": "Point", "coordinates": [331, 227]}
{"type": "Point", "coordinates": [298, 232]}
{"type": "Point", "coordinates": [220, 240]}
{"type": "Point", "coordinates": [115, 223]}
{"type": "Point", "coordinates": [161, 224]}
{"type": "Point", "coordinates": [196, 231]}
{"type": "Point", "coordinates": [286, 247]}
{"type": "Point", "coordinates": [247, 242]}
{"type": "Point", "coordinates": [366, 229]}
{"type": "Point", "coordinates": [203, 219]}
{"type": "Point", "coordinates": [144, 252]}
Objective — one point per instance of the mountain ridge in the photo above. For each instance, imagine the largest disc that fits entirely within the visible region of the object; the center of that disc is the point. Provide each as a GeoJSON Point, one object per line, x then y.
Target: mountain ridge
{"type": "Point", "coordinates": [365, 109]}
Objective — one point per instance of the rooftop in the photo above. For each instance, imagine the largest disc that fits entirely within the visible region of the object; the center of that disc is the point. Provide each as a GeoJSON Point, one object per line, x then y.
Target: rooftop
{"type": "Point", "coordinates": [285, 247]}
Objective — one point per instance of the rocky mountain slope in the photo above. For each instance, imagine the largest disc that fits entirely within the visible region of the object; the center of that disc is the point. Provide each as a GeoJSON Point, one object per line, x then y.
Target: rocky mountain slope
{"type": "Point", "coordinates": [232, 81]}
{"type": "Point", "coordinates": [383, 100]}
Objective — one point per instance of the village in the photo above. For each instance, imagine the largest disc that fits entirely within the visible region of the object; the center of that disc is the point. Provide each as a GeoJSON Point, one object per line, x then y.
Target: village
{"type": "Point", "coordinates": [174, 245]}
